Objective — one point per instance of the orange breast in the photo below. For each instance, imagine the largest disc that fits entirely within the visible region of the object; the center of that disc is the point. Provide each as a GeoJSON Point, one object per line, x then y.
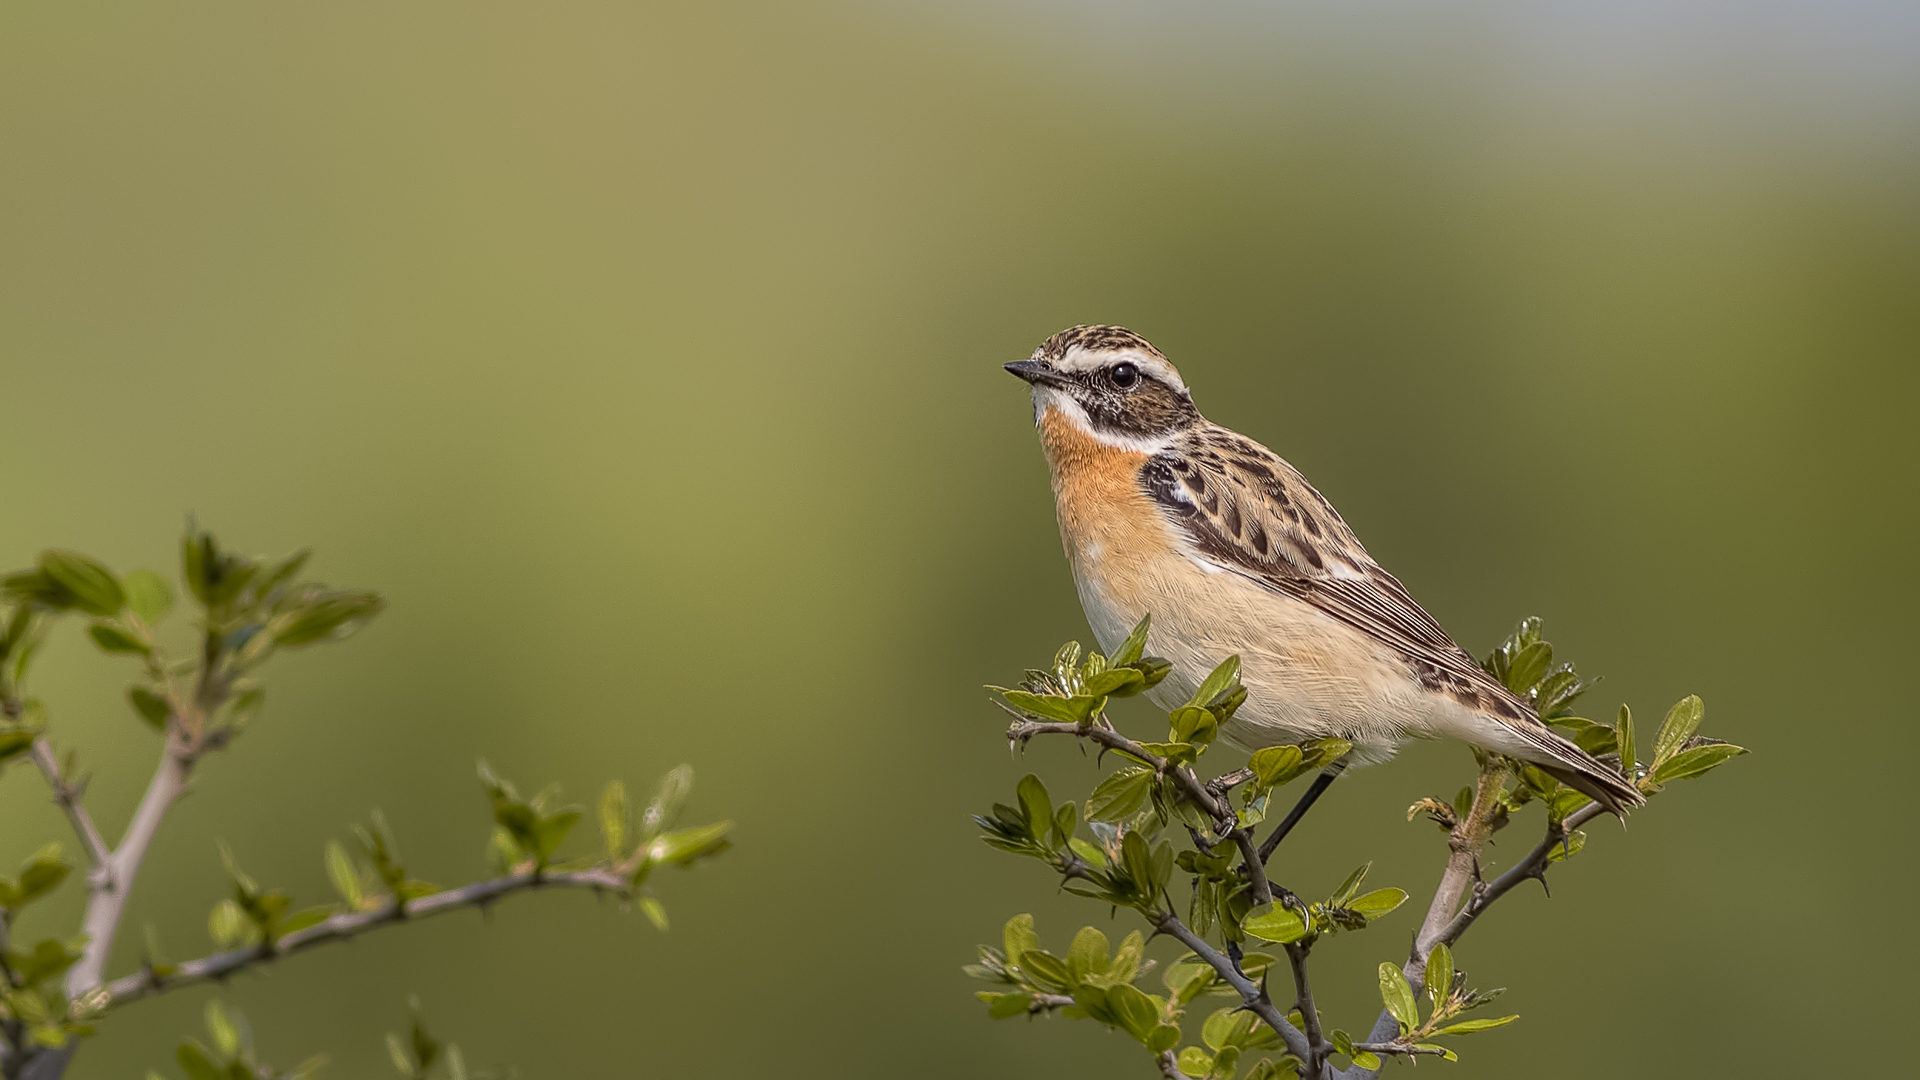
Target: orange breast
{"type": "Point", "coordinates": [1109, 526]}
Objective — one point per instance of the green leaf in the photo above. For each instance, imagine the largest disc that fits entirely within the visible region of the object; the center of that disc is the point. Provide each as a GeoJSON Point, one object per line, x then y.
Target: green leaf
{"type": "Point", "coordinates": [1439, 973]}
{"type": "Point", "coordinates": [1162, 1038]}
{"type": "Point", "coordinates": [1528, 666]}
{"type": "Point", "coordinates": [300, 920]}
{"type": "Point", "coordinates": [1564, 802]}
{"type": "Point", "coordinates": [226, 1037]}
{"type": "Point", "coordinates": [1191, 724]}
{"type": "Point", "coordinates": [334, 614]}
{"type": "Point", "coordinates": [1377, 903]}
{"type": "Point", "coordinates": [613, 819]}
{"type": "Point", "coordinates": [40, 874]}
{"type": "Point", "coordinates": [1047, 969]}
{"type": "Point", "coordinates": [1179, 753]}
{"type": "Point", "coordinates": [94, 588]}
{"type": "Point", "coordinates": [1135, 646]}
{"type": "Point", "coordinates": [1114, 682]}
{"type": "Point", "coordinates": [1217, 682]}
{"type": "Point", "coordinates": [229, 927]}
{"type": "Point", "coordinates": [397, 1053]}
{"type": "Point", "coordinates": [1682, 721]}
{"type": "Point", "coordinates": [1088, 954]}
{"type": "Point", "coordinates": [1695, 762]}
{"type": "Point", "coordinates": [1136, 1010]}
{"type": "Point", "coordinates": [1003, 1006]}
{"type": "Point", "coordinates": [1589, 735]}
{"type": "Point", "coordinates": [15, 743]}
{"type": "Point", "coordinates": [1073, 710]}
{"type": "Point", "coordinates": [664, 808]}
{"type": "Point", "coordinates": [113, 639]}
{"type": "Point", "coordinates": [1225, 1027]}
{"type": "Point", "coordinates": [1153, 668]}
{"type": "Point", "coordinates": [1345, 892]}
{"type": "Point", "coordinates": [1126, 959]}
{"type": "Point", "coordinates": [1444, 1053]}
{"type": "Point", "coordinates": [1276, 923]}
{"type": "Point", "coordinates": [1121, 795]}
{"type": "Point", "coordinates": [1323, 752]}
{"type": "Point", "coordinates": [1367, 1059]}
{"type": "Point", "coordinates": [655, 912]}
{"type": "Point", "coordinates": [1088, 852]}
{"type": "Point", "coordinates": [687, 845]}
{"type": "Point", "coordinates": [1017, 937]}
{"type": "Point", "coordinates": [48, 959]}
{"type": "Point", "coordinates": [153, 708]}
{"type": "Point", "coordinates": [1623, 736]}
{"type": "Point", "coordinates": [1136, 858]}
{"type": "Point", "coordinates": [1398, 997]}
{"type": "Point", "coordinates": [1468, 1027]}
{"type": "Point", "coordinates": [197, 1064]}
{"type": "Point", "coordinates": [345, 876]}
{"type": "Point", "coordinates": [149, 595]}
{"type": "Point", "coordinates": [1276, 765]}
{"type": "Point", "coordinates": [1195, 1062]}
{"type": "Point", "coordinates": [1037, 804]}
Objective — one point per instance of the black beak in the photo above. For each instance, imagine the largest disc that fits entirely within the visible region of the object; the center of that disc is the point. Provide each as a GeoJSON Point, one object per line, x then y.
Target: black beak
{"type": "Point", "coordinates": [1037, 372]}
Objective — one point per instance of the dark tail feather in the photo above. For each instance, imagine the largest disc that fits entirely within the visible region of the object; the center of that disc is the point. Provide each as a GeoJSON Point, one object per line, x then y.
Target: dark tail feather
{"type": "Point", "coordinates": [1599, 783]}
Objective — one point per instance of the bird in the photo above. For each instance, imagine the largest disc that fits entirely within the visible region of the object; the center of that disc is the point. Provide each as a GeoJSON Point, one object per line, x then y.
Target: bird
{"type": "Point", "coordinates": [1231, 551]}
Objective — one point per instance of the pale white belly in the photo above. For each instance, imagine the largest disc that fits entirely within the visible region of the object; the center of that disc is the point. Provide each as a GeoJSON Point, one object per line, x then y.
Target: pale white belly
{"type": "Point", "coordinates": [1307, 675]}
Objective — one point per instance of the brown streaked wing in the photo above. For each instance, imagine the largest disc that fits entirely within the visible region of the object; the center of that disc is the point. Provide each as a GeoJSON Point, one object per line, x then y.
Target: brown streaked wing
{"type": "Point", "coordinates": [1246, 509]}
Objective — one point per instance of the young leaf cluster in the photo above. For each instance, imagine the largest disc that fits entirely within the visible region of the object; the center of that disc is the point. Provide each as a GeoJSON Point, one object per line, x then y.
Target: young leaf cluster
{"type": "Point", "coordinates": [199, 697]}
{"type": "Point", "coordinates": [1153, 813]}
{"type": "Point", "coordinates": [1094, 982]}
{"type": "Point", "coordinates": [228, 1053]}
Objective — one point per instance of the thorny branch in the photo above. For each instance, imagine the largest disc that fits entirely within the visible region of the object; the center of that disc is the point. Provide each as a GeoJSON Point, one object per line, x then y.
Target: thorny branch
{"type": "Point", "coordinates": [1191, 785]}
{"type": "Point", "coordinates": [1253, 997]}
{"type": "Point", "coordinates": [1309, 1015]}
{"type": "Point", "coordinates": [68, 792]}
{"type": "Point", "coordinates": [1460, 899]}
{"type": "Point", "coordinates": [1449, 918]}
{"type": "Point", "coordinates": [1211, 797]}
{"type": "Point", "coordinates": [348, 925]}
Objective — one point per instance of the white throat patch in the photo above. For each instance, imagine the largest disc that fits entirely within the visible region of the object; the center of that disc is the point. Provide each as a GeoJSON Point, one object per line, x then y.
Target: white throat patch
{"type": "Point", "coordinates": [1046, 397]}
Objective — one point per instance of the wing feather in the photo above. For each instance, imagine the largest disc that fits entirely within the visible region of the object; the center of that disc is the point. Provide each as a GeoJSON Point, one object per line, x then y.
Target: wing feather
{"type": "Point", "coordinates": [1247, 510]}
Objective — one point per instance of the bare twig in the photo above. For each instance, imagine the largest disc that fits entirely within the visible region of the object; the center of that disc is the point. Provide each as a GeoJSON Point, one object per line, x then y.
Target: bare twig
{"type": "Point", "coordinates": [1390, 1048]}
{"type": "Point", "coordinates": [348, 925]}
{"type": "Point", "coordinates": [1256, 871]}
{"type": "Point", "coordinates": [1309, 1015]}
{"type": "Point", "coordinates": [1170, 1066]}
{"type": "Point", "coordinates": [67, 793]}
{"type": "Point", "coordinates": [107, 901]}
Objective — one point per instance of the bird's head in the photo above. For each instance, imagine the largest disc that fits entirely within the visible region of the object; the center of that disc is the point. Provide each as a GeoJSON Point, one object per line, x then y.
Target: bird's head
{"type": "Point", "coordinates": [1111, 383]}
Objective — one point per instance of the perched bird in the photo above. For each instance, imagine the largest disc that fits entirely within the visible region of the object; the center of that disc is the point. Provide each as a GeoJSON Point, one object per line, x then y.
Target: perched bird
{"type": "Point", "coordinates": [1232, 552]}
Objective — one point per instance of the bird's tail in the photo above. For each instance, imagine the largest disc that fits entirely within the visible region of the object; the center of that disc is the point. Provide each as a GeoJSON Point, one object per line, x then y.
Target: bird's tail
{"type": "Point", "coordinates": [1558, 757]}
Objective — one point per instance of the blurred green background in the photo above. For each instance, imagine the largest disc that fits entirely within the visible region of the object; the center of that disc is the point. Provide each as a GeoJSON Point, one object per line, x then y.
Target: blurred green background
{"type": "Point", "coordinates": [647, 358]}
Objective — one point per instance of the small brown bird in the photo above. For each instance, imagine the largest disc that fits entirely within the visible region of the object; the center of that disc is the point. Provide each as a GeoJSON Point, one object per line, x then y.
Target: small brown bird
{"type": "Point", "coordinates": [1234, 553]}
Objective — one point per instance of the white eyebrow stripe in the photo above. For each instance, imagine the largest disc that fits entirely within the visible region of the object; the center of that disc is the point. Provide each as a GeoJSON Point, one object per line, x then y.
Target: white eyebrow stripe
{"type": "Point", "coordinates": [1079, 360]}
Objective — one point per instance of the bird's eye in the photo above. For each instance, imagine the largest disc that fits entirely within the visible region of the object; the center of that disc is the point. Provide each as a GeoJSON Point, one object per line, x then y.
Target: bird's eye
{"type": "Point", "coordinates": [1125, 375]}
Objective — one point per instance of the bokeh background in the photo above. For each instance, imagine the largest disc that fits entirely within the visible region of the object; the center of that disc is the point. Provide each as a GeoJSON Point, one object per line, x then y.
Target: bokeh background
{"type": "Point", "coordinates": [647, 357]}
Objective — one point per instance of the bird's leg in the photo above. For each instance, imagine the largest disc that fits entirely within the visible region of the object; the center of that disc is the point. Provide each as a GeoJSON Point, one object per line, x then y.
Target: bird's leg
{"type": "Point", "coordinates": [1319, 787]}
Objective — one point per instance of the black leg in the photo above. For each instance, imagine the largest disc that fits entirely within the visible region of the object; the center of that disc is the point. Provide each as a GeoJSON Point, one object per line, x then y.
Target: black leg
{"type": "Point", "coordinates": [1319, 787]}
